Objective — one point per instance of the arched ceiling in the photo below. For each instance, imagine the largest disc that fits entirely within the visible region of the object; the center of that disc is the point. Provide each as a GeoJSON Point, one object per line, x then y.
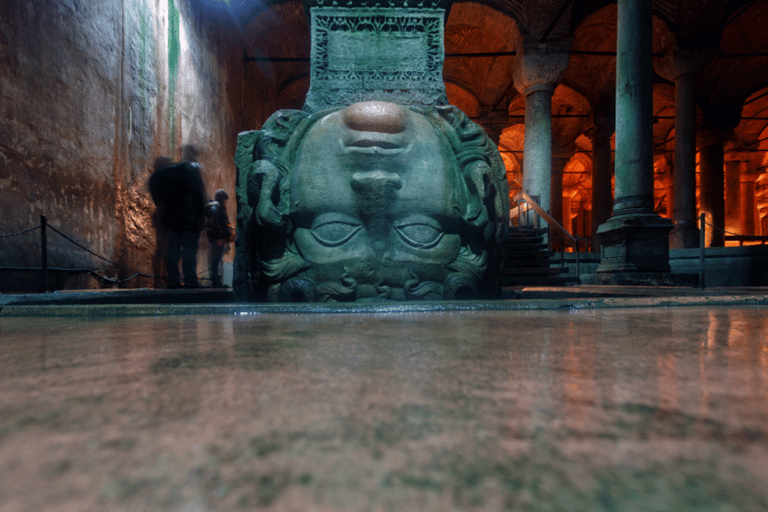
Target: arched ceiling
{"type": "Point", "coordinates": [482, 38]}
{"type": "Point", "coordinates": [472, 28]}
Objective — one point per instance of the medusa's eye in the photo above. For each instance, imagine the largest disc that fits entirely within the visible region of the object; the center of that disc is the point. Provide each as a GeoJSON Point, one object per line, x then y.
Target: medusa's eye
{"type": "Point", "coordinates": [335, 229]}
{"type": "Point", "coordinates": [420, 231]}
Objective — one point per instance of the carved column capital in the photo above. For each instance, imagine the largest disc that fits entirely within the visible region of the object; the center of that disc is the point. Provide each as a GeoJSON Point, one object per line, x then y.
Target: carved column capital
{"type": "Point", "coordinates": [540, 66]}
{"type": "Point", "coordinates": [678, 62]}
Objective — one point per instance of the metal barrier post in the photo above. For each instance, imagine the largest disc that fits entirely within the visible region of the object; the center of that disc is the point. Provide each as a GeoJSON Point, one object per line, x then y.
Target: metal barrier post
{"type": "Point", "coordinates": [702, 243]}
{"type": "Point", "coordinates": [578, 262]}
{"type": "Point", "coordinates": [44, 246]}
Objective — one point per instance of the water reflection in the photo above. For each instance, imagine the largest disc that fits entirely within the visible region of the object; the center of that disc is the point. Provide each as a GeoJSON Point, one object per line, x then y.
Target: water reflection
{"type": "Point", "coordinates": [449, 410]}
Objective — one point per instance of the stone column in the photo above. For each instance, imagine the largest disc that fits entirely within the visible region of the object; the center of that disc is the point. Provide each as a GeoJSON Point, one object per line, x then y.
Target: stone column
{"type": "Point", "coordinates": [568, 213]}
{"type": "Point", "coordinates": [733, 206]}
{"type": "Point", "coordinates": [602, 171]}
{"type": "Point", "coordinates": [557, 209]}
{"type": "Point", "coordinates": [680, 67]}
{"type": "Point", "coordinates": [539, 68]}
{"type": "Point", "coordinates": [669, 169]}
{"type": "Point", "coordinates": [558, 166]}
{"type": "Point", "coordinates": [748, 203]}
{"type": "Point", "coordinates": [712, 183]}
{"type": "Point", "coordinates": [634, 241]}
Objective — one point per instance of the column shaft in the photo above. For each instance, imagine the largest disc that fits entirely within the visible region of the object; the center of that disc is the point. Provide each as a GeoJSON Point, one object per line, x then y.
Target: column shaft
{"type": "Point", "coordinates": [685, 234]}
{"type": "Point", "coordinates": [537, 149]}
{"type": "Point", "coordinates": [712, 183]}
{"type": "Point", "coordinates": [602, 171]}
{"type": "Point", "coordinates": [558, 166]}
{"type": "Point", "coordinates": [733, 207]}
{"type": "Point", "coordinates": [748, 206]}
{"type": "Point", "coordinates": [634, 107]}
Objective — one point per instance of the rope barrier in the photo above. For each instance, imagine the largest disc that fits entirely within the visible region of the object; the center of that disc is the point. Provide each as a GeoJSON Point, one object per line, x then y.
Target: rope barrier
{"type": "Point", "coordinates": [81, 246]}
{"type": "Point", "coordinates": [21, 232]}
{"type": "Point", "coordinates": [95, 273]}
{"type": "Point", "coordinates": [136, 273]}
{"type": "Point", "coordinates": [722, 230]}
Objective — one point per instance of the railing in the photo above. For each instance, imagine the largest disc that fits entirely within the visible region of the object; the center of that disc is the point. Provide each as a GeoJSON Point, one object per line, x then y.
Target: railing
{"type": "Point", "coordinates": [727, 236]}
{"type": "Point", "coordinates": [746, 238]}
{"type": "Point", "coordinates": [525, 203]}
{"type": "Point", "coordinates": [45, 270]}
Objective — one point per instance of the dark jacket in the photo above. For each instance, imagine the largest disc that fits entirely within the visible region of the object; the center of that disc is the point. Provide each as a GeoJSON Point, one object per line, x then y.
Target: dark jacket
{"type": "Point", "coordinates": [178, 191]}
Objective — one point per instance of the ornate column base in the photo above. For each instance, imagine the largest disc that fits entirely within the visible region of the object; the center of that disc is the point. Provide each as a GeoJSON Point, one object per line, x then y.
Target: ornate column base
{"type": "Point", "coordinates": [634, 243]}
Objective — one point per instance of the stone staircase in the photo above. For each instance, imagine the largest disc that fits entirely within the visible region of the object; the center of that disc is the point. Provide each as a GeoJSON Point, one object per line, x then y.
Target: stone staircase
{"type": "Point", "coordinates": [528, 260]}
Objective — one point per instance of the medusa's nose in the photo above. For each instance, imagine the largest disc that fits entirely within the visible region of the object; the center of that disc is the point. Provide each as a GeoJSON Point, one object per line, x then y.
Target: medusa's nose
{"type": "Point", "coordinates": [375, 116]}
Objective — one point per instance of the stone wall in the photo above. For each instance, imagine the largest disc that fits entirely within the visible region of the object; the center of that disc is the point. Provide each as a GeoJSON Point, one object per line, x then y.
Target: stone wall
{"type": "Point", "coordinates": [90, 94]}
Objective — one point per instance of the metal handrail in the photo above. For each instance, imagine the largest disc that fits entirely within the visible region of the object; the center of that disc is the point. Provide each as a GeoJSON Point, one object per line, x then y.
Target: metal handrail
{"type": "Point", "coordinates": [566, 236]}
{"type": "Point", "coordinates": [571, 239]}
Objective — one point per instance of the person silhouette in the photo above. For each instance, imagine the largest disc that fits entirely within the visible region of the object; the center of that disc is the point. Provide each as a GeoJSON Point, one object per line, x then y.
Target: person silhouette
{"type": "Point", "coordinates": [179, 192]}
{"type": "Point", "coordinates": [219, 234]}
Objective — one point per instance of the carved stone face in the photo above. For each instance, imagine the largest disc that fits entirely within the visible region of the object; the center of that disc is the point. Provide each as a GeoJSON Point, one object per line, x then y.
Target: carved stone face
{"type": "Point", "coordinates": [371, 201]}
{"type": "Point", "coordinates": [375, 195]}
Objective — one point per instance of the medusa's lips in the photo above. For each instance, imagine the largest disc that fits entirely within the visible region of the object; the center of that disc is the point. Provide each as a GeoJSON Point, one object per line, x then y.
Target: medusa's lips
{"type": "Point", "coordinates": [374, 143]}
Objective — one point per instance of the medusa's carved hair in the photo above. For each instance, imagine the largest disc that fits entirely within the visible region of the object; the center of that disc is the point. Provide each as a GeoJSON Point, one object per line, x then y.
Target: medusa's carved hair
{"type": "Point", "coordinates": [268, 260]}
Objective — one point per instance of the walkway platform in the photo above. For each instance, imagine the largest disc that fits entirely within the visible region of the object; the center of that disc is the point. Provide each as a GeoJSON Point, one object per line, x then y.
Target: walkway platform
{"type": "Point", "coordinates": [140, 302]}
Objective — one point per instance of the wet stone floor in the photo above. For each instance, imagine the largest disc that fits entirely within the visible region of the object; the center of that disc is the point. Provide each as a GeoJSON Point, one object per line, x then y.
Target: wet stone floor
{"type": "Point", "coordinates": [662, 409]}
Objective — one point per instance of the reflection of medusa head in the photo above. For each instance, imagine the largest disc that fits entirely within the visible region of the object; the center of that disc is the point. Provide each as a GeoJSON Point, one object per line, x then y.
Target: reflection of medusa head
{"type": "Point", "coordinates": [372, 201]}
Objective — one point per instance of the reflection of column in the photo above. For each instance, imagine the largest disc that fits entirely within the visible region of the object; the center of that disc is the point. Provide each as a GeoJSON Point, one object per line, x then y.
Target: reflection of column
{"type": "Point", "coordinates": [681, 67]}
{"type": "Point", "coordinates": [539, 68]}
{"type": "Point", "coordinates": [602, 171]}
{"type": "Point", "coordinates": [669, 392]}
{"type": "Point", "coordinates": [635, 238]}
{"type": "Point", "coordinates": [733, 207]}
{"type": "Point", "coordinates": [712, 183]}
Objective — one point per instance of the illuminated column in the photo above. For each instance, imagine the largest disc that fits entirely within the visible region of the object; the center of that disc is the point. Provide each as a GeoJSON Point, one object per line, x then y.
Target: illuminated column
{"type": "Point", "coordinates": [558, 166]}
{"type": "Point", "coordinates": [733, 205]}
{"type": "Point", "coordinates": [681, 67]}
{"type": "Point", "coordinates": [670, 182]}
{"type": "Point", "coordinates": [602, 170]}
{"type": "Point", "coordinates": [748, 203]}
{"type": "Point", "coordinates": [539, 68]}
{"type": "Point", "coordinates": [568, 213]}
{"type": "Point", "coordinates": [635, 239]}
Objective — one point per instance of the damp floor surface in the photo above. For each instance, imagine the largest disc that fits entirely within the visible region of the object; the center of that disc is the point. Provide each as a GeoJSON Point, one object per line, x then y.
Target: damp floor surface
{"type": "Point", "coordinates": [641, 409]}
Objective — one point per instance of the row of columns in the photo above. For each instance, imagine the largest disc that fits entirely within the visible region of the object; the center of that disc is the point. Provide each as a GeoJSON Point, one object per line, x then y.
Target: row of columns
{"type": "Point", "coordinates": [680, 67]}
{"type": "Point", "coordinates": [632, 238]}
{"type": "Point", "coordinates": [740, 215]}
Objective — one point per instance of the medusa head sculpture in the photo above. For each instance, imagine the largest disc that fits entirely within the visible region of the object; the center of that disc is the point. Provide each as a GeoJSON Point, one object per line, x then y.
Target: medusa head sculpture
{"type": "Point", "coordinates": [374, 201]}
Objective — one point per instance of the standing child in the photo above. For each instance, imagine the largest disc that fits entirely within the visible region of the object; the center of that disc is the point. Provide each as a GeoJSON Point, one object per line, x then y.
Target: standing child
{"type": "Point", "coordinates": [219, 234]}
